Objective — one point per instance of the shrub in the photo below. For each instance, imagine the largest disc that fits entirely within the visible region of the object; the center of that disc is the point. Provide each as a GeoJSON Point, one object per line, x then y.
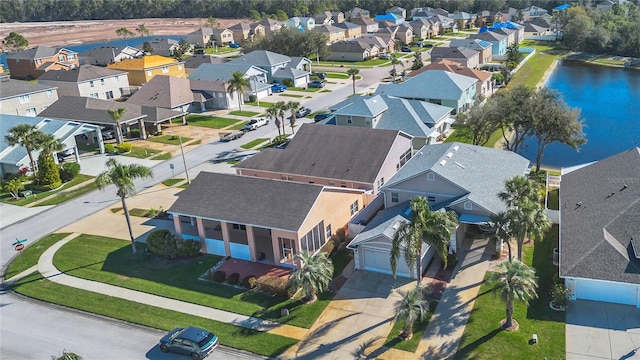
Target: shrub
{"type": "Point", "coordinates": [173, 137]}
{"type": "Point", "coordinates": [560, 295]}
{"type": "Point", "coordinates": [125, 147]}
{"type": "Point", "coordinates": [189, 248]}
{"type": "Point", "coordinates": [330, 246]}
{"type": "Point", "coordinates": [162, 243]}
{"type": "Point", "coordinates": [253, 98]}
{"type": "Point", "coordinates": [273, 285]}
{"type": "Point", "coordinates": [69, 171]}
{"type": "Point", "coordinates": [48, 173]}
{"type": "Point", "coordinates": [109, 148]}
{"type": "Point", "coordinates": [219, 276]}
{"type": "Point", "coordinates": [135, 133]}
{"type": "Point", "coordinates": [249, 282]}
{"type": "Point", "coordinates": [287, 82]}
{"type": "Point", "coordinates": [233, 278]}
{"type": "Point", "coordinates": [340, 235]}
{"type": "Point", "coordinates": [452, 260]}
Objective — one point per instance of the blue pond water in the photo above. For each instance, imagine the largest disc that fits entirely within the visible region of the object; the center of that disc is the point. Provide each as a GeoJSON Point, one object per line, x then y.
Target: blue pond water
{"type": "Point", "coordinates": [609, 99]}
{"type": "Point", "coordinates": [136, 42]}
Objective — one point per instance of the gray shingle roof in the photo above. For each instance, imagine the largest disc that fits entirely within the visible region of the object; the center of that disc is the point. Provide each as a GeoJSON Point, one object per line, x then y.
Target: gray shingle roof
{"type": "Point", "coordinates": [247, 200]}
{"type": "Point", "coordinates": [490, 36]}
{"type": "Point", "coordinates": [262, 58]}
{"type": "Point", "coordinates": [475, 44]}
{"type": "Point", "coordinates": [203, 31]}
{"type": "Point", "coordinates": [11, 88]}
{"type": "Point", "coordinates": [163, 91]}
{"type": "Point", "coordinates": [383, 224]}
{"type": "Point", "coordinates": [192, 62]}
{"type": "Point", "coordinates": [81, 74]}
{"type": "Point", "coordinates": [431, 84]}
{"type": "Point", "coordinates": [350, 46]}
{"type": "Point", "coordinates": [327, 151]}
{"type": "Point", "coordinates": [479, 170]}
{"type": "Point", "coordinates": [37, 52]}
{"type": "Point", "coordinates": [109, 51]}
{"type": "Point", "coordinates": [453, 52]}
{"type": "Point", "coordinates": [220, 72]}
{"type": "Point", "coordinates": [595, 235]}
{"type": "Point", "coordinates": [90, 110]}
{"type": "Point", "coordinates": [361, 106]}
{"type": "Point", "coordinates": [164, 44]}
{"type": "Point", "coordinates": [289, 73]}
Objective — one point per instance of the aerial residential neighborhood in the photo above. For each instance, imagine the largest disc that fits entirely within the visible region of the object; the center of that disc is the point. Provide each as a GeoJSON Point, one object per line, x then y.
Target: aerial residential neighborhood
{"type": "Point", "coordinates": [318, 180]}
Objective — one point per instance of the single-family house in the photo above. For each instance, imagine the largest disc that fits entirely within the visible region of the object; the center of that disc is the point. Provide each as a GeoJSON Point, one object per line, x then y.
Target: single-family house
{"type": "Point", "coordinates": [446, 24]}
{"type": "Point", "coordinates": [31, 63]}
{"type": "Point", "coordinates": [201, 37]}
{"type": "Point", "coordinates": [398, 11]}
{"type": "Point", "coordinates": [532, 12]}
{"type": "Point", "coordinates": [510, 33]}
{"type": "Point", "coordinates": [351, 30]}
{"type": "Point", "coordinates": [464, 20]}
{"type": "Point", "coordinates": [600, 230]}
{"type": "Point", "coordinates": [256, 30]}
{"type": "Point", "coordinates": [437, 87]}
{"type": "Point", "coordinates": [270, 25]}
{"type": "Point", "coordinates": [487, 18]}
{"type": "Point", "coordinates": [88, 80]}
{"type": "Point", "coordinates": [18, 97]}
{"type": "Point", "coordinates": [352, 50]}
{"type": "Point", "coordinates": [384, 44]}
{"type": "Point", "coordinates": [425, 122]}
{"type": "Point", "coordinates": [331, 33]}
{"type": "Point", "coordinates": [147, 119]}
{"type": "Point", "coordinates": [271, 226]}
{"type": "Point", "coordinates": [392, 18]}
{"type": "Point", "coordinates": [164, 47]}
{"type": "Point", "coordinates": [142, 70]}
{"type": "Point", "coordinates": [105, 55]}
{"type": "Point", "coordinates": [484, 85]}
{"type": "Point", "coordinates": [324, 18]}
{"type": "Point", "coordinates": [260, 86]}
{"type": "Point", "coordinates": [483, 47]}
{"type": "Point", "coordinates": [357, 13]}
{"type": "Point", "coordinates": [462, 55]}
{"type": "Point", "coordinates": [14, 158]}
{"type": "Point", "coordinates": [300, 63]}
{"type": "Point", "coordinates": [404, 34]}
{"type": "Point", "coordinates": [167, 92]}
{"type": "Point", "coordinates": [222, 37]}
{"type": "Point", "coordinates": [271, 62]}
{"type": "Point", "coordinates": [422, 28]}
{"type": "Point", "coordinates": [241, 31]}
{"type": "Point", "coordinates": [427, 12]}
{"type": "Point", "coordinates": [192, 62]}
{"type": "Point", "coordinates": [531, 29]}
{"type": "Point", "coordinates": [498, 41]}
{"type": "Point", "coordinates": [337, 17]}
{"type": "Point", "coordinates": [453, 176]}
{"type": "Point", "coordinates": [301, 23]}
{"type": "Point", "coordinates": [367, 25]}
{"type": "Point", "coordinates": [354, 157]}
{"type": "Point", "coordinates": [608, 4]}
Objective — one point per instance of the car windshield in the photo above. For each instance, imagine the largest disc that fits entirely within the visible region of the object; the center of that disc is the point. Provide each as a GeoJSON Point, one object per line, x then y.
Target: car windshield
{"type": "Point", "coordinates": [206, 340]}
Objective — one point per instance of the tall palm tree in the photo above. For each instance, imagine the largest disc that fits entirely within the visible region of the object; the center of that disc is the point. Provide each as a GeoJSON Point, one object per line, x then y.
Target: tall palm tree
{"type": "Point", "coordinates": [272, 112]}
{"type": "Point", "coordinates": [25, 135]}
{"type": "Point", "coordinates": [528, 220]}
{"type": "Point", "coordinates": [122, 177]}
{"type": "Point", "coordinates": [313, 275]}
{"type": "Point", "coordinates": [438, 228]}
{"type": "Point", "coordinates": [293, 106]}
{"type": "Point", "coordinates": [519, 189]}
{"type": "Point", "coordinates": [411, 307]}
{"type": "Point", "coordinates": [238, 84]}
{"type": "Point", "coordinates": [516, 281]}
{"type": "Point", "coordinates": [282, 112]}
{"type": "Point", "coordinates": [49, 144]}
{"type": "Point", "coordinates": [501, 231]}
{"type": "Point", "coordinates": [353, 72]}
{"type": "Point", "coordinates": [116, 114]}
{"type": "Point", "coordinates": [395, 61]}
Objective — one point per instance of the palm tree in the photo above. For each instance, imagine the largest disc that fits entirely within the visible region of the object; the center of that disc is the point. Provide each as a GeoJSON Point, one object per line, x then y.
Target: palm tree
{"type": "Point", "coordinates": [116, 114]}
{"type": "Point", "coordinates": [516, 281]}
{"type": "Point", "coordinates": [272, 112]}
{"type": "Point", "coordinates": [25, 135]}
{"type": "Point", "coordinates": [433, 228]}
{"type": "Point", "coordinates": [501, 231]}
{"type": "Point", "coordinates": [122, 177]}
{"type": "Point", "coordinates": [353, 72]}
{"type": "Point", "coordinates": [411, 307]}
{"type": "Point", "coordinates": [313, 275]}
{"type": "Point", "coordinates": [49, 144]}
{"type": "Point", "coordinates": [528, 220]}
{"type": "Point", "coordinates": [395, 61]}
{"type": "Point", "coordinates": [282, 112]}
{"type": "Point", "coordinates": [519, 189]}
{"type": "Point", "coordinates": [238, 84]}
{"type": "Point", "coordinates": [293, 106]}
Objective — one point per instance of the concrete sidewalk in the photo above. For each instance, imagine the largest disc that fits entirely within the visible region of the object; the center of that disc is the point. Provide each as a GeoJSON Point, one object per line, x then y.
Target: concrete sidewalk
{"type": "Point", "coordinates": [50, 272]}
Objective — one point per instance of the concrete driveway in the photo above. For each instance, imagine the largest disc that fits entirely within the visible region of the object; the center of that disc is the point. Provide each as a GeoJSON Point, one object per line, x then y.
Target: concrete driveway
{"type": "Point", "coordinates": [358, 319]}
{"type": "Point", "coordinates": [599, 330]}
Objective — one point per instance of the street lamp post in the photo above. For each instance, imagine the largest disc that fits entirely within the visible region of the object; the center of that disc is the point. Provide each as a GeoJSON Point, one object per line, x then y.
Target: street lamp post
{"type": "Point", "coordinates": [184, 160]}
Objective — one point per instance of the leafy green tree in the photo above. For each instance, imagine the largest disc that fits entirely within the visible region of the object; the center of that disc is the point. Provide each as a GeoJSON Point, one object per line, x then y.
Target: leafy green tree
{"type": "Point", "coordinates": [501, 231]}
{"type": "Point", "coordinates": [116, 114]}
{"type": "Point", "coordinates": [122, 176]}
{"type": "Point", "coordinates": [293, 106]}
{"type": "Point", "coordinates": [147, 48]}
{"type": "Point", "coordinates": [515, 281]}
{"type": "Point", "coordinates": [213, 22]}
{"type": "Point", "coordinates": [478, 123]}
{"type": "Point", "coordinates": [238, 84]}
{"type": "Point", "coordinates": [272, 112]}
{"type": "Point", "coordinates": [254, 15]}
{"type": "Point", "coordinates": [67, 355]}
{"type": "Point", "coordinates": [291, 42]}
{"type": "Point", "coordinates": [411, 307]}
{"type": "Point", "coordinates": [124, 33]}
{"type": "Point", "coordinates": [313, 275]}
{"type": "Point", "coordinates": [142, 31]}
{"type": "Point", "coordinates": [353, 72]}
{"type": "Point", "coordinates": [395, 61]}
{"type": "Point", "coordinates": [518, 190]}
{"type": "Point", "coordinates": [417, 60]}
{"type": "Point", "coordinates": [13, 187]}
{"type": "Point", "coordinates": [15, 42]}
{"type": "Point", "coordinates": [25, 135]}
{"type": "Point", "coordinates": [183, 48]}
{"type": "Point", "coordinates": [514, 56]}
{"type": "Point", "coordinates": [48, 170]}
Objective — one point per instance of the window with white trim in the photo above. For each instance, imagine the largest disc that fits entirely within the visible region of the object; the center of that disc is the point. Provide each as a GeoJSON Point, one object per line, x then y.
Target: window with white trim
{"type": "Point", "coordinates": [405, 157]}
{"type": "Point", "coordinates": [91, 83]}
{"type": "Point", "coordinates": [165, 69]}
{"type": "Point", "coordinates": [354, 207]}
{"type": "Point", "coordinates": [349, 119]}
{"type": "Point", "coordinates": [328, 232]}
{"type": "Point", "coordinates": [380, 182]}
{"type": "Point", "coordinates": [61, 58]}
{"type": "Point", "coordinates": [239, 227]}
{"type": "Point", "coordinates": [395, 197]}
{"type": "Point", "coordinates": [108, 94]}
{"type": "Point", "coordinates": [30, 112]}
{"type": "Point", "coordinates": [431, 176]}
{"type": "Point", "coordinates": [24, 99]}
{"type": "Point", "coordinates": [101, 81]}
{"type": "Point", "coordinates": [71, 57]}
{"type": "Point", "coordinates": [49, 93]}
{"type": "Point", "coordinates": [468, 205]}
{"type": "Point", "coordinates": [94, 95]}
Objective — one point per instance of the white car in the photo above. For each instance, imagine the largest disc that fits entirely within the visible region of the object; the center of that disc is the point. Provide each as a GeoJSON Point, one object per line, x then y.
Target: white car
{"type": "Point", "coordinates": [255, 123]}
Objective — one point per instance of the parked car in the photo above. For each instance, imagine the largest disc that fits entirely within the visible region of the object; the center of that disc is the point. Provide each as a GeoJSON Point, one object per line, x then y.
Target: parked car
{"type": "Point", "coordinates": [406, 49]}
{"type": "Point", "coordinates": [234, 45]}
{"type": "Point", "coordinates": [67, 152]}
{"type": "Point", "coordinates": [277, 87]}
{"type": "Point", "coordinates": [255, 123]}
{"type": "Point", "coordinates": [108, 135]}
{"type": "Point", "coordinates": [321, 75]}
{"type": "Point", "coordinates": [198, 51]}
{"type": "Point", "coordinates": [302, 112]}
{"type": "Point", "coordinates": [192, 341]}
{"type": "Point", "coordinates": [385, 56]}
{"type": "Point", "coordinates": [323, 116]}
{"type": "Point", "coordinates": [316, 84]}
{"type": "Point", "coordinates": [427, 45]}
{"type": "Point", "coordinates": [237, 134]}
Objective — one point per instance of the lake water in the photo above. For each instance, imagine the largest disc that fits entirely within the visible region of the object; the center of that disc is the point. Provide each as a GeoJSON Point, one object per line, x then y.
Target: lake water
{"type": "Point", "coordinates": [609, 99]}
{"type": "Point", "coordinates": [80, 48]}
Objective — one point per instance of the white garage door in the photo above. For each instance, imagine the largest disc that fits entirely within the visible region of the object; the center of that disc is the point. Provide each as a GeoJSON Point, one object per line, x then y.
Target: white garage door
{"type": "Point", "coordinates": [605, 291]}
{"type": "Point", "coordinates": [378, 261]}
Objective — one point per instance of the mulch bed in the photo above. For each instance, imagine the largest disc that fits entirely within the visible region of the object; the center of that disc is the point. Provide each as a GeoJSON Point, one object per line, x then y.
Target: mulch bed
{"type": "Point", "coordinates": [337, 283]}
{"type": "Point", "coordinates": [440, 282]}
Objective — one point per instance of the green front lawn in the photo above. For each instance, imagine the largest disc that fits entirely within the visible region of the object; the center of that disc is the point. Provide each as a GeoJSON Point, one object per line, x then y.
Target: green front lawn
{"type": "Point", "coordinates": [66, 196]}
{"type": "Point", "coordinates": [141, 153]}
{"type": "Point", "coordinates": [220, 50]}
{"type": "Point", "coordinates": [244, 113]}
{"type": "Point", "coordinates": [483, 339]}
{"type": "Point", "coordinates": [6, 198]}
{"type": "Point", "coordinates": [169, 139]}
{"type": "Point", "coordinates": [460, 136]}
{"type": "Point", "coordinates": [553, 199]}
{"type": "Point", "coordinates": [264, 104]}
{"type": "Point", "coordinates": [253, 143]}
{"type": "Point", "coordinates": [32, 253]}
{"type": "Point", "coordinates": [419, 327]}
{"type": "Point", "coordinates": [171, 182]}
{"type": "Point", "coordinates": [292, 95]}
{"type": "Point", "coordinates": [304, 89]}
{"type": "Point", "coordinates": [165, 156]}
{"type": "Point", "coordinates": [213, 122]}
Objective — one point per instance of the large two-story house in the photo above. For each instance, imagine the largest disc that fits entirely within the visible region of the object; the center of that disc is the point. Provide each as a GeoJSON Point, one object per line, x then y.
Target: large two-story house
{"type": "Point", "coordinates": [276, 65]}
{"type": "Point", "coordinates": [18, 97]}
{"type": "Point", "coordinates": [143, 69]}
{"type": "Point", "coordinates": [105, 55]}
{"type": "Point", "coordinates": [89, 81]}
{"type": "Point", "coordinates": [31, 63]}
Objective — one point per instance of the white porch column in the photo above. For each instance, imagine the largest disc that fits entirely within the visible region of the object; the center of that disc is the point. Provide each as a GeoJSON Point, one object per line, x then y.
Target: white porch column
{"type": "Point", "coordinates": [202, 235]}
{"type": "Point", "coordinates": [275, 244]}
{"type": "Point", "coordinates": [143, 129]}
{"type": "Point", "coordinates": [252, 243]}
{"type": "Point", "coordinates": [225, 237]}
{"type": "Point", "coordinates": [76, 154]}
{"type": "Point", "coordinates": [177, 225]}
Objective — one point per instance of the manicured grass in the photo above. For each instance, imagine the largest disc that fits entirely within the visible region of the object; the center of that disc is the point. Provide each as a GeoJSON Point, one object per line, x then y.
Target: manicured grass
{"type": "Point", "coordinates": [169, 139]}
{"type": "Point", "coordinates": [171, 182]}
{"type": "Point", "coordinates": [238, 126]}
{"type": "Point", "coordinates": [292, 95]}
{"type": "Point", "coordinates": [221, 50]}
{"type": "Point", "coordinates": [111, 261]}
{"type": "Point", "coordinates": [65, 196]}
{"type": "Point", "coordinates": [553, 199]}
{"type": "Point", "coordinates": [253, 143]}
{"type": "Point", "coordinates": [141, 212]}
{"type": "Point", "coordinates": [6, 198]}
{"type": "Point", "coordinates": [264, 104]}
{"type": "Point", "coordinates": [459, 136]}
{"type": "Point", "coordinates": [419, 328]}
{"type": "Point", "coordinates": [165, 156]}
{"type": "Point", "coordinates": [325, 90]}
{"type": "Point", "coordinates": [141, 153]}
{"type": "Point", "coordinates": [244, 113]}
{"type": "Point", "coordinates": [197, 142]}
{"type": "Point", "coordinates": [483, 339]}
{"type": "Point", "coordinates": [32, 253]}
{"type": "Point", "coordinates": [245, 339]}
{"type": "Point", "coordinates": [213, 122]}
{"type": "Point", "coordinates": [304, 89]}
{"type": "Point", "coordinates": [337, 76]}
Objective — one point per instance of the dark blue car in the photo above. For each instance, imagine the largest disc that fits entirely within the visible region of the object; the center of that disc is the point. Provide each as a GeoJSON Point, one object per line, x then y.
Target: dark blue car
{"type": "Point", "coordinates": [192, 341]}
{"type": "Point", "coordinates": [277, 87]}
{"type": "Point", "coordinates": [234, 45]}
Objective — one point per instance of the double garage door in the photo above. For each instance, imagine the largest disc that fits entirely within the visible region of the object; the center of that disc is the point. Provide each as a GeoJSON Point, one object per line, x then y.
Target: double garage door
{"type": "Point", "coordinates": [618, 293]}
{"type": "Point", "coordinates": [378, 261]}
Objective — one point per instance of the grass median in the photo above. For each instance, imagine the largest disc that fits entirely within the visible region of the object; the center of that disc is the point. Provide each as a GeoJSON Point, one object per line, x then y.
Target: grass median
{"type": "Point", "coordinates": [32, 253]}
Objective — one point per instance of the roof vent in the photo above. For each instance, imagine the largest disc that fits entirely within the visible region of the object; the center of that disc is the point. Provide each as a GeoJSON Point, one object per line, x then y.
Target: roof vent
{"type": "Point", "coordinates": [396, 225]}
{"type": "Point", "coordinates": [449, 155]}
{"type": "Point", "coordinates": [443, 162]}
{"type": "Point", "coordinates": [456, 147]}
{"type": "Point", "coordinates": [457, 163]}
